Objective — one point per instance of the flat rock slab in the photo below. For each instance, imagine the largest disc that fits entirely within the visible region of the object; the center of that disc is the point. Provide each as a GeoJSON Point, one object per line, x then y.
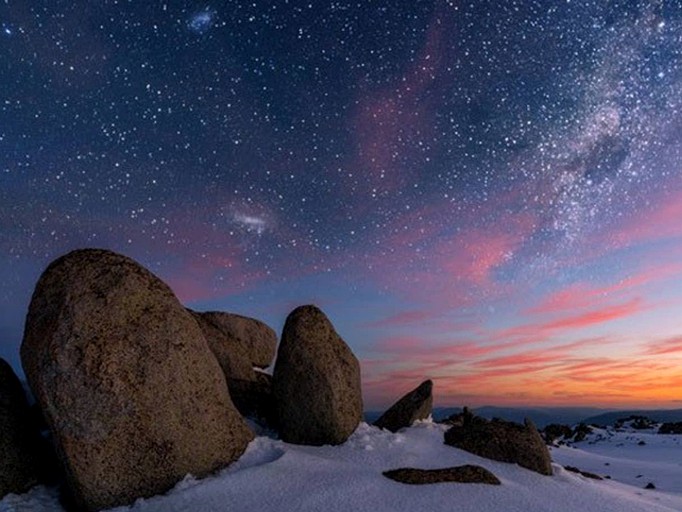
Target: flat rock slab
{"type": "Point", "coordinates": [467, 474]}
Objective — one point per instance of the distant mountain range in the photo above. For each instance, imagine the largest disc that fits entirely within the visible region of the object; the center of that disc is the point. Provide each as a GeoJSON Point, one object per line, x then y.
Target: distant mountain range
{"type": "Point", "coordinates": [543, 416]}
{"type": "Point", "coordinates": [659, 415]}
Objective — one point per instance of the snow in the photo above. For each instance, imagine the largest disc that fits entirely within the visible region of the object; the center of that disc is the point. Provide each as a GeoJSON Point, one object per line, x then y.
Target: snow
{"type": "Point", "coordinates": [620, 455]}
{"type": "Point", "coordinates": [276, 476]}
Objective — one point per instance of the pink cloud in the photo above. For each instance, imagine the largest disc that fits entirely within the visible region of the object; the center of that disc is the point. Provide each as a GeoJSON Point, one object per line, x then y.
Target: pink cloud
{"type": "Point", "coordinates": [660, 222]}
{"type": "Point", "coordinates": [576, 296]}
{"type": "Point", "coordinates": [546, 354]}
{"type": "Point", "coordinates": [420, 349]}
{"type": "Point", "coordinates": [600, 315]}
{"type": "Point", "coordinates": [522, 359]}
{"type": "Point", "coordinates": [210, 276]}
{"type": "Point", "coordinates": [583, 295]}
{"type": "Point", "coordinates": [670, 346]}
{"type": "Point", "coordinates": [478, 252]}
{"type": "Point", "coordinates": [403, 318]}
{"type": "Point", "coordinates": [401, 345]}
{"type": "Point", "coordinates": [596, 316]}
{"type": "Point", "coordinates": [445, 270]}
{"type": "Point", "coordinates": [391, 125]}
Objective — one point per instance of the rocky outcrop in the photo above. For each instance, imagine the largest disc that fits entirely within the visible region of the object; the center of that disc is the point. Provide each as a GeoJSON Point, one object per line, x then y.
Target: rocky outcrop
{"type": "Point", "coordinates": [502, 441]}
{"type": "Point", "coordinates": [130, 390]}
{"type": "Point", "coordinates": [19, 466]}
{"type": "Point", "coordinates": [670, 428]}
{"type": "Point", "coordinates": [316, 382]}
{"type": "Point", "coordinates": [415, 405]}
{"type": "Point", "coordinates": [467, 474]}
{"type": "Point", "coordinates": [248, 337]}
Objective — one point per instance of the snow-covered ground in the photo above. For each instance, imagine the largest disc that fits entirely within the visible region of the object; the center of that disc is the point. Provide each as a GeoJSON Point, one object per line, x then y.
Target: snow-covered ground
{"type": "Point", "coordinates": [634, 457]}
{"type": "Point", "coordinates": [273, 476]}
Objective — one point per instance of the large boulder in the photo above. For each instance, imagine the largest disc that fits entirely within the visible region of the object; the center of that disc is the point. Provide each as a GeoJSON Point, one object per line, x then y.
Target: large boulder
{"type": "Point", "coordinates": [131, 392]}
{"type": "Point", "coordinates": [248, 337]}
{"type": "Point", "coordinates": [467, 474]}
{"type": "Point", "coordinates": [503, 441]}
{"type": "Point", "coordinates": [232, 357]}
{"type": "Point", "coordinates": [19, 466]}
{"type": "Point", "coordinates": [415, 405]}
{"type": "Point", "coordinates": [316, 382]}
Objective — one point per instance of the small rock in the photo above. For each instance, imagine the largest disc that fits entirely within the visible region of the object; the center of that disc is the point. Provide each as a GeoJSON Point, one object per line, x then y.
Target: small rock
{"type": "Point", "coordinates": [468, 474]}
{"type": "Point", "coordinates": [556, 431]}
{"type": "Point", "coordinates": [316, 382]}
{"type": "Point", "coordinates": [586, 474]}
{"type": "Point", "coordinates": [503, 441]}
{"type": "Point", "coordinates": [650, 485]}
{"type": "Point", "coordinates": [415, 405]}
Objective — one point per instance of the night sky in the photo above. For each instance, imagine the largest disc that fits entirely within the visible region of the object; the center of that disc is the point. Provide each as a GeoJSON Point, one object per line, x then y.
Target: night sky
{"type": "Point", "coordinates": [486, 193]}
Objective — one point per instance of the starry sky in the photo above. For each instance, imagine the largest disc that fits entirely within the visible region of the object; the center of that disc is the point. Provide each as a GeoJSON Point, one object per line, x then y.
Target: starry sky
{"type": "Point", "coordinates": [487, 193]}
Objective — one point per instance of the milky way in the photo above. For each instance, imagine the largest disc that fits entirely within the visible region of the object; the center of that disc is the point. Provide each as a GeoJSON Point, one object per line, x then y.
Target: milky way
{"type": "Point", "coordinates": [487, 193]}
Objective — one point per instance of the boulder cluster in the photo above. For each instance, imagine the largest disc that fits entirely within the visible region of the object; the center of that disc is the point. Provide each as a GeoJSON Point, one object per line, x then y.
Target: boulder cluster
{"type": "Point", "coordinates": [137, 391]}
{"type": "Point", "coordinates": [134, 391]}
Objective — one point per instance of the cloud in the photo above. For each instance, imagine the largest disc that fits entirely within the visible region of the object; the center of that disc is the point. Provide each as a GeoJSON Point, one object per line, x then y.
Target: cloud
{"type": "Point", "coordinates": [551, 374]}
{"type": "Point", "coordinates": [444, 269]}
{"type": "Point", "coordinates": [661, 221]}
{"type": "Point", "coordinates": [393, 126]}
{"type": "Point", "coordinates": [596, 316]}
{"type": "Point", "coordinates": [403, 318]}
{"type": "Point", "coordinates": [581, 295]}
{"type": "Point", "coordinates": [670, 346]}
{"type": "Point", "coordinates": [541, 329]}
